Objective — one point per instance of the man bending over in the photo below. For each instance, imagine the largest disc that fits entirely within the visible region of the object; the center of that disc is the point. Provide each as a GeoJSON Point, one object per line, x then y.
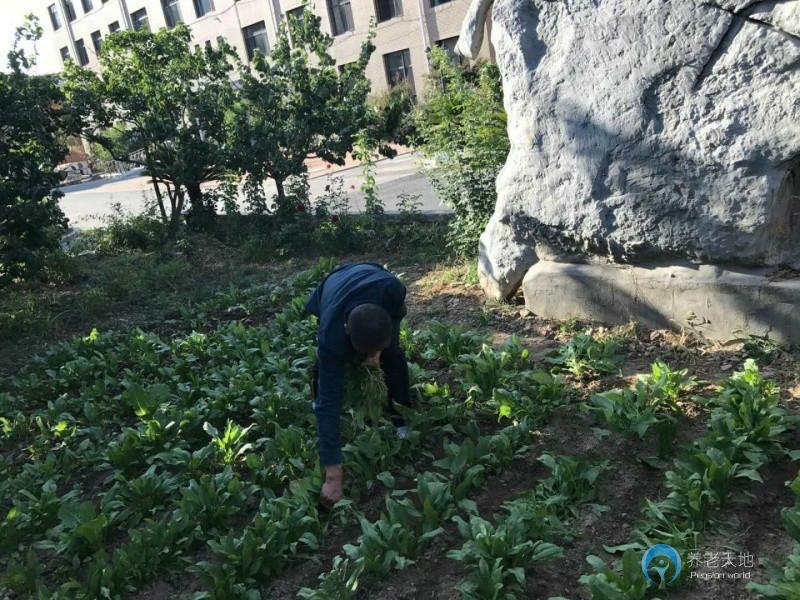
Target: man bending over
{"type": "Point", "coordinates": [359, 307]}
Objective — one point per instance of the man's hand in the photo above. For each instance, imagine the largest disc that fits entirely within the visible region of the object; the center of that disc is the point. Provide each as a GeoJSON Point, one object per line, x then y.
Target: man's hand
{"type": "Point", "coordinates": [332, 488]}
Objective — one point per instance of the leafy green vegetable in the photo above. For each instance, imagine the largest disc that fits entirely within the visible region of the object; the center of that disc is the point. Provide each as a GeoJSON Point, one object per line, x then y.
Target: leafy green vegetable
{"type": "Point", "coordinates": [366, 396]}
{"type": "Point", "coordinates": [586, 356]}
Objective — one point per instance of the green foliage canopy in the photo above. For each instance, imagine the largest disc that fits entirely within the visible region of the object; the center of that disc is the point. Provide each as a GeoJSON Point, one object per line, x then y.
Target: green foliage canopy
{"type": "Point", "coordinates": [297, 104]}
{"type": "Point", "coordinates": [33, 120]}
{"type": "Point", "coordinates": [462, 126]}
{"type": "Point", "coordinates": [169, 100]}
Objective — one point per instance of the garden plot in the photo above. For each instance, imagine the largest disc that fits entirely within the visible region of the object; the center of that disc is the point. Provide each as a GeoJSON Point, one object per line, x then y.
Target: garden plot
{"type": "Point", "coordinates": [185, 466]}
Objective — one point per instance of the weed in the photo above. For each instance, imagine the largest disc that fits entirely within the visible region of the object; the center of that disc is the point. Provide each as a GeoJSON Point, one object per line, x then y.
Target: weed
{"type": "Point", "coordinates": [586, 356]}
{"type": "Point", "coordinates": [446, 342]}
{"type": "Point", "coordinates": [497, 556]}
{"type": "Point", "coordinates": [757, 347]}
{"type": "Point", "coordinates": [626, 582]}
{"type": "Point", "coordinates": [785, 579]}
{"type": "Point", "coordinates": [366, 395]}
{"type": "Point", "coordinates": [571, 326]}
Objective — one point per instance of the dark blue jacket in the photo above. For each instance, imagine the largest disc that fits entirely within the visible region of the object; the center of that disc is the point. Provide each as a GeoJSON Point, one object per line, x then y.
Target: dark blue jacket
{"type": "Point", "coordinates": [342, 290]}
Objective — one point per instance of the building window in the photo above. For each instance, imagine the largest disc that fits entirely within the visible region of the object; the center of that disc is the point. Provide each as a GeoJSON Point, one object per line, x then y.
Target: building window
{"type": "Point", "coordinates": [341, 16]}
{"type": "Point", "coordinates": [294, 16]}
{"type": "Point", "coordinates": [172, 12]}
{"type": "Point", "coordinates": [295, 13]}
{"type": "Point", "coordinates": [55, 18]}
{"type": "Point", "coordinates": [449, 46]}
{"type": "Point", "coordinates": [255, 38]}
{"type": "Point", "coordinates": [113, 26]}
{"type": "Point", "coordinates": [87, 5]}
{"type": "Point", "coordinates": [70, 10]}
{"type": "Point", "coordinates": [387, 9]}
{"type": "Point", "coordinates": [202, 7]}
{"type": "Point", "coordinates": [83, 56]}
{"type": "Point", "coordinates": [439, 2]}
{"type": "Point", "coordinates": [398, 67]}
{"type": "Point", "coordinates": [140, 20]}
{"type": "Point", "coordinates": [97, 39]}
{"type": "Point", "coordinates": [65, 55]}
{"type": "Point", "coordinates": [345, 67]}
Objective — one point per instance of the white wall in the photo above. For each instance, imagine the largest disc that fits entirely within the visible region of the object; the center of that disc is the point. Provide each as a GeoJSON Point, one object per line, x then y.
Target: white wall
{"type": "Point", "coordinates": [408, 31]}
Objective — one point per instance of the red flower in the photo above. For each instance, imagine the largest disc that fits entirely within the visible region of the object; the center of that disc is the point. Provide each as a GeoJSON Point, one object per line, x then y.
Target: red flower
{"type": "Point", "coordinates": [334, 218]}
{"type": "Point", "coordinates": [300, 207]}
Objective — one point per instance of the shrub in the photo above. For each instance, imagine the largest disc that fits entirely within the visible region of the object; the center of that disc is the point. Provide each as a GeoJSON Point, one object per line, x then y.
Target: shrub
{"type": "Point", "coordinates": [123, 232]}
{"type": "Point", "coordinates": [33, 122]}
{"type": "Point", "coordinates": [395, 114]}
{"type": "Point", "coordinates": [461, 128]}
{"type": "Point", "coordinates": [21, 314]}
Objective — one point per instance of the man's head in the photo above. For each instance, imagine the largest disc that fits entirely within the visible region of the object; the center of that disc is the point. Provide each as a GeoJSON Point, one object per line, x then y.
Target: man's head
{"type": "Point", "coordinates": [370, 329]}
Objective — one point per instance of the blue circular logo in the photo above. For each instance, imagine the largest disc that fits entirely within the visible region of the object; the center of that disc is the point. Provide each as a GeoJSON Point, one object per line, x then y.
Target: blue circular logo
{"type": "Point", "coordinates": [664, 560]}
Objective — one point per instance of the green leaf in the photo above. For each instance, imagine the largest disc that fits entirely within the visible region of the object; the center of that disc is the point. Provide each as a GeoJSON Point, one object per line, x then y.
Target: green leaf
{"type": "Point", "coordinates": [387, 479]}
{"type": "Point", "coordinates": [210, 430]}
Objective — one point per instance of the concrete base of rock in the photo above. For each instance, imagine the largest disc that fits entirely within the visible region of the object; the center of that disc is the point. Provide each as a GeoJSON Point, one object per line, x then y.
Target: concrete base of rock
{"type": "Point", "coordinates": [714, 301]}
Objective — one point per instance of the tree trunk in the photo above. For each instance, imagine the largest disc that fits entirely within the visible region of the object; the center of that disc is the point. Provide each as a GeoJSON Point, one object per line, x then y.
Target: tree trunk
{"type": "Point", "coordinates": [175, 211]}
{"type": "Point", "coordinates": [202, 216]}
{"type": "Point", "coordinates": [281, 192]}
{"type": "Point", "coordinates": [160, 199]}
{"type": "Point", "coordinates": [281, 203]}
{"type": "Point", "coordinates": [195, 196]}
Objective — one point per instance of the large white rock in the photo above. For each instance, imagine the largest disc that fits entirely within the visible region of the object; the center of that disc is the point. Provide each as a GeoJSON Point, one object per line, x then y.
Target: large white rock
{"type": "Point", "coordinates": [645, 129]}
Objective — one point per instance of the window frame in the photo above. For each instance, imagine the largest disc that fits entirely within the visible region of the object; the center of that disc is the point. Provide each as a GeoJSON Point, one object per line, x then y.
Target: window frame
{"type": "Point", "coordinates": [55, 17]}
{"type": "Point", "coordinates": [455, 58]}
{"type": "Point", "coordinates": [172, 12]}
{"type": "Point", "coordinates": [65, 55]}
{"type": "Point", "coordinates": [135, 21]}
{"type": "Point", "coordinates": [435, 3]}
{"type": "Point", "coordinates": [333, 11]}
{"type": "Point", "coordinates": [203, 7]}
{"type": "Point", "coordinates": [249, 48]}
{"type": "Point", "coordinates": [84, 3]}
{"type": "Point", "coordinates": [408, 69]}
{"type": "Point", "coordinates": [397, 8]}
{"type": "Point", "coordinates": [116, 27]}
{"type": "Point", "coordinates": [96, 40]}
{"type": "Point", "coordinates": [291, 12]}
{"type": "Point", "coordinates": [341, 68]}
{"type": "Point", "coordinates": [83, 53]}
{"type": "Point", "coordinates": [70, 10]}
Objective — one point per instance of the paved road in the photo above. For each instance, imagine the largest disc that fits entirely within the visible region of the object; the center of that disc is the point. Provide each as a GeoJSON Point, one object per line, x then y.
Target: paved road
{"type": "Point", "coordinates": [87, 204]}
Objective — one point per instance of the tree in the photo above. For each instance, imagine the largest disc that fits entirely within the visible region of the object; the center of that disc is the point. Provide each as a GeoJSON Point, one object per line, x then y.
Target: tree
{"type": "Point", "coordinates": [33, 120]}
{"type": "Point", "coordinates": [160, 104]}
{"type": "Point", "coordinates": [296, 104]}
{"type": "Point", "coordinates": [461, 126]}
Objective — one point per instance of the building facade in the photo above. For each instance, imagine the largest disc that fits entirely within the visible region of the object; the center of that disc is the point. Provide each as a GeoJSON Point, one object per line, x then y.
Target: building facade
{"type": "Point", "coordinates": [404, 29]}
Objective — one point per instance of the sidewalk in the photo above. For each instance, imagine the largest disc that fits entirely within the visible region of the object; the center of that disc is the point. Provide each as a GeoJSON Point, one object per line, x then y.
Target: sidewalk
{"type": "Point", "coordinates": [318, 167]}
{"type": "Point", "coordinates": [136, 182]}
{"type": "Point", "coordinates": [89, 204]}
